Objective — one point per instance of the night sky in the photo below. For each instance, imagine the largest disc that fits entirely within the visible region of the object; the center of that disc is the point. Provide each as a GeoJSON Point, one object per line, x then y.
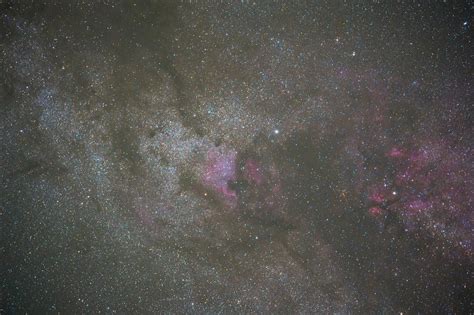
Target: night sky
{"type": "Point", "coordinates": [219, 157]}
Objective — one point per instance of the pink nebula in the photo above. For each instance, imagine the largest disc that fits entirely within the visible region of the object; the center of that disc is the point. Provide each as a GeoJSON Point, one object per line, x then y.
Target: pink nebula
{"type": "Point", "coordinates": [219, 170]}
{"type": "Point", "coordinates": [395, 153]}
{"type": "Point", "coordinates": [378, 194]}
{"type": "Point", "coordinates": [375, 211]}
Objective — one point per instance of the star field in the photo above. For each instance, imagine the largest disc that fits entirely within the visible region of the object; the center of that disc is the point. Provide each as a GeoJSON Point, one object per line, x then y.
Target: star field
{"type": "Point", "coordinates": [236, 157]}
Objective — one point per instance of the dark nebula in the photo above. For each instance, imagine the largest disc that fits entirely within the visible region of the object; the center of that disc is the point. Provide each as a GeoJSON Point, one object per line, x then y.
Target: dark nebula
{"type": "Point", "coordinates": [236, 157]}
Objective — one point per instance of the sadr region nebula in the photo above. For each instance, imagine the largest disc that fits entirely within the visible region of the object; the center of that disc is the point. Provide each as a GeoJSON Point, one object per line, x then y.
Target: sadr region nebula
{"type": "Point", "coordinates": [236, 157]}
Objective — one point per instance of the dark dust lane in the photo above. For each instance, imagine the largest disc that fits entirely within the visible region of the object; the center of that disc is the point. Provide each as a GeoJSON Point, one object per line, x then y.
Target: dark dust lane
{"type": "Point", "coordinates": [236, 157]}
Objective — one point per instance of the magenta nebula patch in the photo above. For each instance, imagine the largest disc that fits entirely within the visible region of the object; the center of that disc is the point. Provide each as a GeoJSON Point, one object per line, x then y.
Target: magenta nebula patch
{"type": "Point", "coordinates": [219, 171]}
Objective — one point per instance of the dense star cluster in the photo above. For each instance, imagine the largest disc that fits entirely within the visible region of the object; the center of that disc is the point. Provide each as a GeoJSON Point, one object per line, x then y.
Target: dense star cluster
{"type": "Point", "coordinates": [236, 157]}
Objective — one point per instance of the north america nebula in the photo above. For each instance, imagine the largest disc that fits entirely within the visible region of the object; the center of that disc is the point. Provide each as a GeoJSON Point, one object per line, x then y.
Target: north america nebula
{"type": "Point", "coordinates": [214, 157]}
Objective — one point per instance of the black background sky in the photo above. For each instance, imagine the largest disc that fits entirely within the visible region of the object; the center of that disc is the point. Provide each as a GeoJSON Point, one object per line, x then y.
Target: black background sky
{"type": "Point", "coordinates": [236, 157]}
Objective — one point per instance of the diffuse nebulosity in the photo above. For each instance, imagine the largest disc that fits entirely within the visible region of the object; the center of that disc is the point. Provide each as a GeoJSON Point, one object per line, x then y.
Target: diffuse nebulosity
{"type": "Point", "coordinates": [251, 157]}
